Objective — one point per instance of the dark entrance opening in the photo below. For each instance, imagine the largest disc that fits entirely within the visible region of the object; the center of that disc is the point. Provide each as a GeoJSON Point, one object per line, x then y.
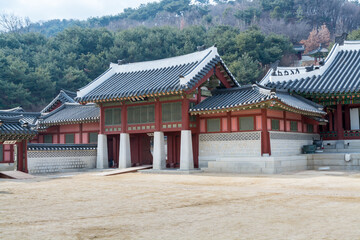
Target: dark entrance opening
{"type": "Point", "coordinates": [173, 142]}
{"type": "Point", "coordinates": [140, 147]}
{"type": "Point", "coordinates": [113, 142]}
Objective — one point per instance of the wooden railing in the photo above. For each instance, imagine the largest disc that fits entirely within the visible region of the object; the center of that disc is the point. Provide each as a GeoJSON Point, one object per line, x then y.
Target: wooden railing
{"type": "Point", "coordinates": [347, 134]}
{"type": "Point", "coordinates": [329, 135]}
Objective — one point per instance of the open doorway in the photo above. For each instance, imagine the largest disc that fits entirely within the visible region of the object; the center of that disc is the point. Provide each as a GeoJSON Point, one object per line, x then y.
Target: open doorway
{"type": "Point", "coordinates": [140, 147]}
{"type": "Point", "coordinates": [113, 142]}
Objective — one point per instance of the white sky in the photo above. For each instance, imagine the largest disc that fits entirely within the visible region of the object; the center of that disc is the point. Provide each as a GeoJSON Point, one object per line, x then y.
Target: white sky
{"type": "Point", "coordinates": [38, 10]}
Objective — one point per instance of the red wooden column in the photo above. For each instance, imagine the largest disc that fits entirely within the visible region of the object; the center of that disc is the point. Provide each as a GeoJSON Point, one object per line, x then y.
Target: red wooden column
{"type": "Point", "coordinates": [265, 137]}
{"type": "Point", "coordinates": [347, 117]}
{"type": "Point", "coordinates": [157, 115]}
{"type": "Point", "coordinates": [339, 121]}
{"type": "Point", "coordinates": [124, 119]}
{"type": "Point", "coordinates": [185, 114]}
{"type": "Point", "coordinates": [228, 115]}
{"type": "Point", "coordinates": [58, 134]}
{"type": "Point", "coordinates": [331, 124]}
{"type": "Point", "coordinates": [102, 120]}
{"type": "Point", "coordinates": [24, 152]}
{"type": "Point", "coordinates": [20, 160]}
{"type": "Point", "coordinates": [81, 132]}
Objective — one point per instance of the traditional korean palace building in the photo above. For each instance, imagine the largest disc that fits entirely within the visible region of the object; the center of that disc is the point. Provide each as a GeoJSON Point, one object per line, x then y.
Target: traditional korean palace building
{"type": "Point", "coordinates": [189, 112]}
{"type": "Point", "coordinates": [16, 128]}
{"type": "Point", "coordinates": [195, 105]}
{"type": "Point", "coordinates": [335, 84]}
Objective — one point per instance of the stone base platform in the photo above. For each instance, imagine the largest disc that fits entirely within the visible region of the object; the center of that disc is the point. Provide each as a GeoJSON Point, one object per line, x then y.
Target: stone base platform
{"type": "Point", "coordinates": [171, 171]}
{"type": "Point", "coordinates": [258, 165]}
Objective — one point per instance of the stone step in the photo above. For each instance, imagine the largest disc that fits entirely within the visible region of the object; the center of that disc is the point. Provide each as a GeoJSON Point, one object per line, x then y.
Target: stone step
{"type": "Point", "coordinates": [327, 156]}
{"type": "Point", "coordinates": [344, 150]}
{"type": "Point", "coordinates": [15, 175]}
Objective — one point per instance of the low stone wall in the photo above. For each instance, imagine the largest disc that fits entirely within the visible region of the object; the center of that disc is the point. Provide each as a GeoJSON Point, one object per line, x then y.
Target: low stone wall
{"type": "Point", "coordinates": [289, 143]}
{"type": "Point", "coordinates": [60, 158]}
{"type": "Point", "coordinates": [7, 167]}
{"type": "Point", "coordinates": [334, 161]}
{"type": "Point", "coordinates": [217, 145]}
{"type": "Point", "coordinates": [259, 165]}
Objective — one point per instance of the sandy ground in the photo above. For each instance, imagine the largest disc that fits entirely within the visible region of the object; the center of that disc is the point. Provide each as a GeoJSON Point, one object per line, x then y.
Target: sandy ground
{"type": "Point", "coordinates": [309, 205]}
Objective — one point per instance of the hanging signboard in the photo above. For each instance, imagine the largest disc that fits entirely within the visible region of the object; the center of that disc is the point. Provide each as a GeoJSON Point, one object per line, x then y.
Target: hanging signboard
{"type": "Point", "coordinates": [10, 142]}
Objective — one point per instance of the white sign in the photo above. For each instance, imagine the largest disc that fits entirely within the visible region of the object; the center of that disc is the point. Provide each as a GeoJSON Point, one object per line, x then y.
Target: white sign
{"type": "Point", "coordinates": [10, 142]}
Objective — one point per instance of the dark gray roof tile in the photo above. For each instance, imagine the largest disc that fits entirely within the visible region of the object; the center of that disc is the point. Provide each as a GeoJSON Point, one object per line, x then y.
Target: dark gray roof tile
{"type": "Point", "coordinates": [71, 113]}
{"type": "Point", "coordinates": [159, 76]}
{"type": "Point", "coordinates": [340, 74]}
{"type": "Point", "coordinates": [247, 95]}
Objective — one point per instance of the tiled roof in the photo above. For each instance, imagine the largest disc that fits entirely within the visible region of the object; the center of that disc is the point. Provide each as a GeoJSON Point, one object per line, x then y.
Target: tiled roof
{"type": "Point", "coordinates": [15, 109]}
{"type": "Point", "coordinates": [339, 74]}
{"type": "Point", "coordinates": [13, 128]}
{"type": "Point", "coordinates": [153, 77]}
{"type": "Point", "coordinates": [29, 117]}
{"type": "Point", "coordinates": [256, 94]}
{"type": "Point", "coordinates": [71, 113]}
{"type": "Point", "coordinates": [63, 97]}
{"type": "Point", "coordinates": [60, 147]}
{"type": "Point", "coordinates": [299, 47]}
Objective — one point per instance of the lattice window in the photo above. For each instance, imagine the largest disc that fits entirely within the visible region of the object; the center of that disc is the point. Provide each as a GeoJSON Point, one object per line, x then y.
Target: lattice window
{"type": "Point", "coordinates": [112, 116]}
{"type": "Point", "coordinates": [48, 138]}
{"type": "Point", "coordinates": [293, 126]}
{"type": "Point", "coordinates": [93, 137]}
{"type": "Point", "coordinates": [246, 123]}
{"type": "Point", "coordinates": [239, 136]}
{"type": "Point", "coordinates": [141, 114]}
{"type": "Point", "coordinates": [70, 138]}
{"type": "Point", "coordinates": [61, 153]}
{"type": "Point", "coordinates": [293, 136]}
{"type": "Point", "coordinates": [213, 125]}
{"type": "Point", "coordinates": [275, 124]}
{"type": "Point", "coordinates": [171, 112]}
{"type": "Point", "coordinates": [310, 128]}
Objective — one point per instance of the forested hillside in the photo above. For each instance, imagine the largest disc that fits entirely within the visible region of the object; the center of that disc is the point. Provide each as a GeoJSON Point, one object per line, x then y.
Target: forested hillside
{"type": "Point", "coordinates": [293, 18]}
{"type": "Point", "coordinates": [37, 61]}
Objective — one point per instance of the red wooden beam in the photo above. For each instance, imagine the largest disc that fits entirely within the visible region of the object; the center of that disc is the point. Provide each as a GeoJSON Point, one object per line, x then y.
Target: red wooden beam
{"type": "Point", "coordinates": [265, 138]}
{"type": "Point", "coordinates": [157, 115]}
{"type": "Point", "coordinates": [185, 114]}
{"type": "Point", "coordinates": [339, 121]}
{"type": "Point", "coordinates": [102, 119]}
{"type": "Point", "coordinates": [347, 117]}
{"type": "Point", "coordinates": [206, 77]}
{"type": "Point", "coordinates": [331, 121]}
{"type": "Point", "coordinates": [222, 78]}
{"type": "Point", "coordinates": [228, 116]}
{"type": "Point", "coordinates": [81, 132]}
{"type": "Point", "coordinates": [124, 119]}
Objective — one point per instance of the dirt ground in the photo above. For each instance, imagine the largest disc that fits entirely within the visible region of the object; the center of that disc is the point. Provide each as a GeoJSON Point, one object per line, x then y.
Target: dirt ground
{"type": "Point", "coordinates": [308, 205]}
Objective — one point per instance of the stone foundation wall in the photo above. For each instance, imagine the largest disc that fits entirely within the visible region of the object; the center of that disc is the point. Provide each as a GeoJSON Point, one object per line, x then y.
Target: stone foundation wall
{"type": "Point", "coordinates": [51, 161]}
{"type": "Point", "coordinates": [7, 167]}
{"type": "Point", "coordinates": [217, 145]}
{"type": "Point", "coordinates": [334, 161]}
{"type": "Point", "coordinates": [259, 165]}
{"type": "Point", "coordinates": [289, 143]}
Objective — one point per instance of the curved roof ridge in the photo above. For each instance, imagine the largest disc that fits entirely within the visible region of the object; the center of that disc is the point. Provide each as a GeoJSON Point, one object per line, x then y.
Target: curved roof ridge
{"type": "Point", "coordinates": [158, 76]}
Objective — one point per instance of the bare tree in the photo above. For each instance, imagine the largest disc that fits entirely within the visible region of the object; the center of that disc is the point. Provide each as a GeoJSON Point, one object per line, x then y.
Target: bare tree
{"type": "Point", "coordinates": [12, 23]}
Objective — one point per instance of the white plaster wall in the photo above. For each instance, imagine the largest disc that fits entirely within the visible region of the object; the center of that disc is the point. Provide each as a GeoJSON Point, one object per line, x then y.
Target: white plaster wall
{"type": "Point", "coordinates": [289, 143]}
{"type": "Point", "coordinates": [60, 161]}
{"type": "Point", "coordinates": [213, 146]}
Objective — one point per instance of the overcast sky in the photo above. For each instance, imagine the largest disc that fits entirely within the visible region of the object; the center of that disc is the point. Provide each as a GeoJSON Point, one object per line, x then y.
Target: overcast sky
{"type": "Point", "coordinates": [38, 10]}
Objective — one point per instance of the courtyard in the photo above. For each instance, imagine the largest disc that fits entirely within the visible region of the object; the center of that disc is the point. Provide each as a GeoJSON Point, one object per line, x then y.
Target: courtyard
{"type": "Point", "coordinates": [305, 205]}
